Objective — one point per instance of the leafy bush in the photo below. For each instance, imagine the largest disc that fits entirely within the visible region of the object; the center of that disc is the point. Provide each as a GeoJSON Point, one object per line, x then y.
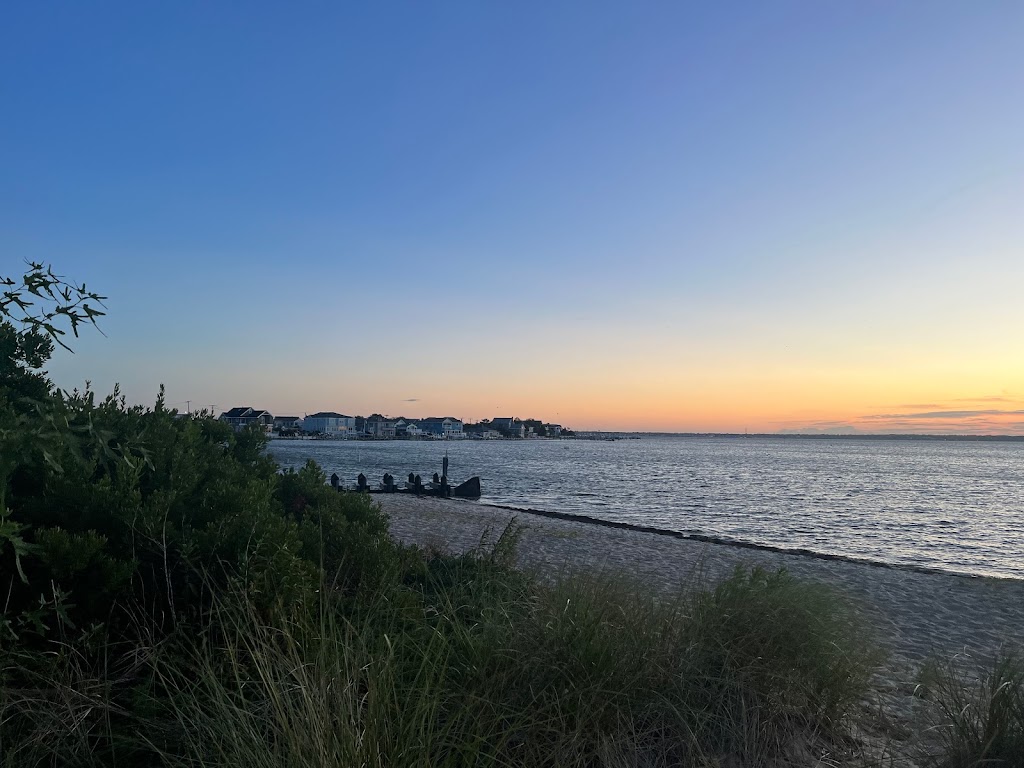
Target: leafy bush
{"type": "Point", "coordinates": [206, 503]}
{"type": "Point", "coordinates": [117, 508]}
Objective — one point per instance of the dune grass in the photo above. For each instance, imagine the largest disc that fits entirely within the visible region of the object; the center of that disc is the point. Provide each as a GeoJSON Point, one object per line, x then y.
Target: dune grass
{"type": "Point", "coordinates": [472, 663]}
{"type": "Point", "coordinates": [977, 713]}
{"type": "Point", "coordinates": [463, 660]}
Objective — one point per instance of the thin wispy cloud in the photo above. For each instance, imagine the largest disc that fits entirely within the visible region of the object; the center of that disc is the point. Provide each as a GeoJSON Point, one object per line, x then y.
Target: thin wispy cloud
{"type": "Point", "coordinates": [986, 399]}
{"type": "Point", "coordinates": [411, 400]}
{"type": "Point", "coordinates": [943, 414]}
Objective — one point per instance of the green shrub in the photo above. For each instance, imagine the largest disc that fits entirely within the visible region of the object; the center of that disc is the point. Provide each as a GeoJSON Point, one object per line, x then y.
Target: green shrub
{"type": "Point", "coordinates": [207, 504]}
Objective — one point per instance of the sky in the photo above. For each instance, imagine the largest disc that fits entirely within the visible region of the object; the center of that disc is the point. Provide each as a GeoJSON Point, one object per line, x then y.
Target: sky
{"type": "Point", "coordinates": [670, 216]}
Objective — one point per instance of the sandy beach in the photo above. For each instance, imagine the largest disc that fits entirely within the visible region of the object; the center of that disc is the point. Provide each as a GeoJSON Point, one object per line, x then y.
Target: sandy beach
{"type": "Point", "coordinates": [911, 614]}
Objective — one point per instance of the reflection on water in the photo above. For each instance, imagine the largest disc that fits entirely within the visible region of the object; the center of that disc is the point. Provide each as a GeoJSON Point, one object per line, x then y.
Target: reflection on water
{"type": "Point", "coordinates": [952, 505]}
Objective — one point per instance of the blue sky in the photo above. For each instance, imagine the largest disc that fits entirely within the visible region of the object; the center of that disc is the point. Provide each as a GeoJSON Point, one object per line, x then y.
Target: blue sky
{"type": "Point", "coordinates": [634, 215]}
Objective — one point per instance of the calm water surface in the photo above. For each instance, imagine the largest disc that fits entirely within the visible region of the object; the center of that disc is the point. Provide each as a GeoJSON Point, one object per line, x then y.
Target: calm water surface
{"type": "Point", "coordinates": [955, 506]}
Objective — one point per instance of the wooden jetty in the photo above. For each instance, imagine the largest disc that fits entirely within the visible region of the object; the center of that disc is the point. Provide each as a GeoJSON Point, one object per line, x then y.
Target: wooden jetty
{"type": "Point", "coordinates": [439, 485]}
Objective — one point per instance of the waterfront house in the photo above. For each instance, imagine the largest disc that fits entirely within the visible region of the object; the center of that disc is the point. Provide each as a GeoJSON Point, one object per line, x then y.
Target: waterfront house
{"type": "Point", "coordinates": [245, 416]}
{"type": "Point", "coordinates": [379, 426]}
{"type": "Point", "coordinates": [287, 423]}
{"type": "Point", "coordinates": [510, 427]}
{"type": "Point", "coordinates": [405, 428]}
{"type": "Point", "coordinates": [442, 427]}
{"type": "Point", "coordinates": [330, 424]}
{"type": "Point", "coordinates": [553, 430]}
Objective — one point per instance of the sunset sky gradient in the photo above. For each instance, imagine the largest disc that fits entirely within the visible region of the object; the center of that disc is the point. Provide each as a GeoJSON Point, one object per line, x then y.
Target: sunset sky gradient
{"type": "Point", "coordinates": [786, 216]}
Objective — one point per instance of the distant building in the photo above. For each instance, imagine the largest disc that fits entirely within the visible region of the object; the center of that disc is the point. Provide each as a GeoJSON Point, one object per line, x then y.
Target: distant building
{"type": "Point", "coordinates": [442, 427]}
{"type": "Point", "coordinates": [553, 430]}
{"type": "Point", "coordinates": [330, 423]}
{"type": "Point", "coordinates": [534, 428]}
{"type": "Point", "coordinates": [244, 416]}
{"type": "Point", "coordinates": [379, 426]}
{"type": "Point", "coordinates": [407, 428]}
{"type": "Point", "coordinates": [481, 432]}
{"type": "Point", "coordinates": [287, 423]}
{"type": "Point", "coordinates": [510, 427]}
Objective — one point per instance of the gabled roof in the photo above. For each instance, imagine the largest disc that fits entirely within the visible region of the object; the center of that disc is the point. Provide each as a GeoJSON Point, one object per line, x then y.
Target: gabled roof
{"type": "Point", "coordinates": [245, 412]}
{"type": "Point", "coordinates": [434, 419]}
{"type": "Point", "coordinates": [328, 415]}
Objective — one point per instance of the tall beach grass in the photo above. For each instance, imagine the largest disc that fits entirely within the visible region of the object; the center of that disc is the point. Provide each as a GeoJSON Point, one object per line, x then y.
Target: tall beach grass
{"type": "Point", "coordinates": [472, 663]}
{"type": "Point", "coordinates": [976, 712]}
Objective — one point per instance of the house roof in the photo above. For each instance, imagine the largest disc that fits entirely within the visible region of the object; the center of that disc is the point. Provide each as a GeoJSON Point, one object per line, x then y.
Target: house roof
{"type": "Point", "coordinates": [245, 412]}
{"type": "Point", "coordinates": [328, 415]}
{"type": "Point", "coordinates": [439, 418]}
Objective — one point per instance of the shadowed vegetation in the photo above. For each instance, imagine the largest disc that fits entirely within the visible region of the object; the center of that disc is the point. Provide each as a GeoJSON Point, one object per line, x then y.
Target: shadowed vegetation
{"type": "Point", "coordinates": [977, 713]}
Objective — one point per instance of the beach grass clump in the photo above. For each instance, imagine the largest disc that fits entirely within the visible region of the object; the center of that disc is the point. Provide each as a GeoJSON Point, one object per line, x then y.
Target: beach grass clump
{"type": "Point", "coordinates": [777, 656]}
{"type": "Point", "coordinates": [469, 662]}
{"type": "Point", "coordinates": [977, 713]}
{"type": "Point", "coordinates": [451, 661]}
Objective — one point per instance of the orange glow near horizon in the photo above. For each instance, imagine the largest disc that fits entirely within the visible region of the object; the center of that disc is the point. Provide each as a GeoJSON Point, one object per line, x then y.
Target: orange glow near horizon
{"type": "Point", "coordinates": [758, 401]}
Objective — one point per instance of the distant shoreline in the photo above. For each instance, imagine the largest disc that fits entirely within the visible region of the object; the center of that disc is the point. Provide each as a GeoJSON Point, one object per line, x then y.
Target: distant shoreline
{"type": "Point", "coordinates": [722, 435]}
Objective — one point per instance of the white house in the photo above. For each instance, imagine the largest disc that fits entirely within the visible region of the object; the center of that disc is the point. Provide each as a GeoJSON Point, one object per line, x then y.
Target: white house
{"type": "Point", "coordinates": [330, 423]}
{"type": "Point", "coordinates": [484, 434]}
